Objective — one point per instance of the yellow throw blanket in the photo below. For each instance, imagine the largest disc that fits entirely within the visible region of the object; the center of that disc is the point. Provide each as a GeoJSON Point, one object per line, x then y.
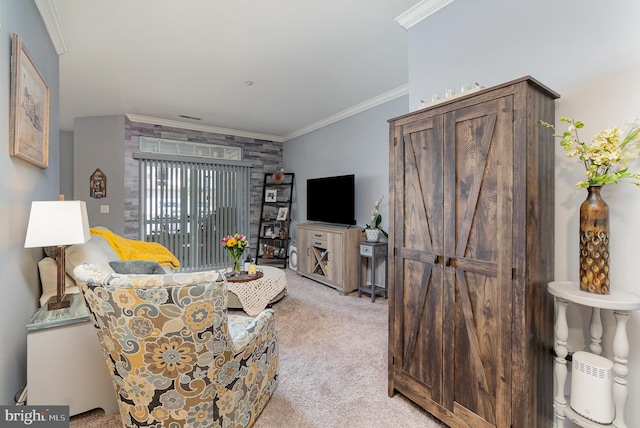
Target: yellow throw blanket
{"type": "Point", "coordinates": [129, 249]}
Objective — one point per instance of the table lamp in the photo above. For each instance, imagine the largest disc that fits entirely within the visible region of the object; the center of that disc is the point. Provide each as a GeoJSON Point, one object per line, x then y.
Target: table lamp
{"type": "Point", "coordinates": [57, 223]}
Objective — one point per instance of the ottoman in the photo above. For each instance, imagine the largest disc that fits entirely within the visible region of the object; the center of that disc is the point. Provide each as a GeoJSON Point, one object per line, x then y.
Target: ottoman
{"type": "Point", "coordinates": [253, 296]}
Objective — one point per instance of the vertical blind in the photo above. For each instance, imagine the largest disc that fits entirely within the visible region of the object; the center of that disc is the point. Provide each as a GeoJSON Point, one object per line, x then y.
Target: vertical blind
{"type": "Point", "coordinates": [189, 204]}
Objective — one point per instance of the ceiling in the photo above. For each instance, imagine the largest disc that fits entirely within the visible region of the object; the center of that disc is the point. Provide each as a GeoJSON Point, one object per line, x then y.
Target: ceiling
{"type": "Point", "coordinates": [308, 60]}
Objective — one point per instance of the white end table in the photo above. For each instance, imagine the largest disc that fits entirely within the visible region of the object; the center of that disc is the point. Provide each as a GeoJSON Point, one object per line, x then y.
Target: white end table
{"type": "Point", "coordinates": [65, 363]}
{"type": "Point", "coordinates": [622, 303]}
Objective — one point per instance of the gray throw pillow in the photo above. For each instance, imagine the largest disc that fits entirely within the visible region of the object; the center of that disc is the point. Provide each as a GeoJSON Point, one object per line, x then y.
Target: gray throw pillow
{"type": "Point", "coordinates": [145, 267]}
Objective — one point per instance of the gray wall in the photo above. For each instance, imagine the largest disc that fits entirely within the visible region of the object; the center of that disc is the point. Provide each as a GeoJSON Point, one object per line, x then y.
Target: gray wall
{"type": "Point", "coordinates": [21, 183]}
{"type": "Point", "coordinates": [108, 143]}
{"type": "Point", "coordinates": [357, 145]}
{"type": "Point", "coordinates": [66, 164]}
{"type": "Point", "coordinates": [588, 51]}
{"type": "Point", "coordinates": [265, 157]}
{"type": "Point", "coordinates": [99, 144]}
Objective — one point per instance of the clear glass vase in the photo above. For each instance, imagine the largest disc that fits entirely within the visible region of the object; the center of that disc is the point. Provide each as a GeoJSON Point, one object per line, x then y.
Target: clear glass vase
{"type": "Point", "coordinates": [236, 264]}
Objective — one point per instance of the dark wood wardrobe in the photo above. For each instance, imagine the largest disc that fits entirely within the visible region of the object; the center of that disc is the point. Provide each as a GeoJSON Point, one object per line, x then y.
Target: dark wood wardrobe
{"type": "Point", "coordinates": [471, 252]}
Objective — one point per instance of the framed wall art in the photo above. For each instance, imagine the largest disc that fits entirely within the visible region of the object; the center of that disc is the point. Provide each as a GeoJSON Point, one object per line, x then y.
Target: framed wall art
{"type": "Point", "coordinates": [29, 111]}
{"type": "Point", "coordinates": [283, 233]}
{"type": "Point", "coordinates": [282, 214]}
{"type": "Point", "coordinates": [98, 185]}
{"type": "Point", "coordinates": [270, 195]}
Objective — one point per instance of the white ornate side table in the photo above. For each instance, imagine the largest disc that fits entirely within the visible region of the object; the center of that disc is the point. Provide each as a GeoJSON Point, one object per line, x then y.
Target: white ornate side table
{"type": "Point", "coordinates": [621, 303]}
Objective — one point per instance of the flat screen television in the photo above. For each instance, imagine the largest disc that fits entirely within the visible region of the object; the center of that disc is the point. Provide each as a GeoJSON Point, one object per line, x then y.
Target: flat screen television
{"type": "Point", "coordinates": [332, 199]}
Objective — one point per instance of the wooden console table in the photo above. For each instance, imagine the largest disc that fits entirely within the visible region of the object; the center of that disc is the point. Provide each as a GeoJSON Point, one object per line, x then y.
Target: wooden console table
{"type": "Point", "coordinates": [329, 254]}
{"type": "Point", "coordinates": [622, 303]}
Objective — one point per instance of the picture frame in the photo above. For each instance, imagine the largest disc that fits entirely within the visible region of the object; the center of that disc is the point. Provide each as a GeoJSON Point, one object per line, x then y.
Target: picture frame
{"type": "Point", "coordinates": [267, 231]}
{"type": "Point", "coordinates": [270, 195]}
{"type": "Point", "coordinates": [283, 233]}
{"type": "Point", "coordinates": [282, 214]}
{"type": "Point", "coordinates": [267, 251]}
{"type": "Point", "coordinates": [98, 185]}
{"type": "Point", "coordinates": [29, 108]}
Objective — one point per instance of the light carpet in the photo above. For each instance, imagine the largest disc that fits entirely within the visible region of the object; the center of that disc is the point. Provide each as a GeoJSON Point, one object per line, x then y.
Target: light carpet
{"type": "Point", "coordinates": [333, 365]}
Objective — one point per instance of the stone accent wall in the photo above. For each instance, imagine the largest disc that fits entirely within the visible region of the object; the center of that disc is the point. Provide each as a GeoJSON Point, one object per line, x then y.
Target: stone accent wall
{"type": "Point", "coordinates": [266, 156]}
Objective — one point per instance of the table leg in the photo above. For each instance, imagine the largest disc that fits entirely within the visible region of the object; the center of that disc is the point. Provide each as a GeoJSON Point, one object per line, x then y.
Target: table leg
{"type": "Point", "coordinates": [595, 329]}
{"type": "Point", "coordinates": [386, 277]}
{"type": "Point", "coordinates": [620, 369]}
{"type": "Point", "coordinates": [360, 276]}
{"type": "Point", "coordinates": [373, 279]}
{"type": "Point", "coordinates": [560, 364]}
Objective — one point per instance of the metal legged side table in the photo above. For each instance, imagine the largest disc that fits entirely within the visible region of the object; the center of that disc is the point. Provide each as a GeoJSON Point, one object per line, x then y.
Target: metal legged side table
{"type": "Point", "coordinates": [372, 251]}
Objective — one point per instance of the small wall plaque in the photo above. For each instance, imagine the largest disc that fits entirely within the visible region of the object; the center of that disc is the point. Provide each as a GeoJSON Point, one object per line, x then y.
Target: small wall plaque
{"type": "Point", "coordinates": [98, 185]}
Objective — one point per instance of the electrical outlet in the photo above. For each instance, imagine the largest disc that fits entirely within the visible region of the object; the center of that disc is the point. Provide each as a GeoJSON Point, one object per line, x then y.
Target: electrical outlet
{"type": "Point", "coordinates": [104, 209]}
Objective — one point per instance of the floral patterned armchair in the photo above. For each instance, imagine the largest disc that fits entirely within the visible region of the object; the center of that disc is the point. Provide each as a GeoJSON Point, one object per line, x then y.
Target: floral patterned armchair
{"type": "Point", "coordinates": [177, 359]}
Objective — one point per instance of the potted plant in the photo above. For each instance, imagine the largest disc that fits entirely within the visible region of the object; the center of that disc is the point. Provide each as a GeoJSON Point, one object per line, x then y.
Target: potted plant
{"type": "Point", "coordinates": [373, 230]}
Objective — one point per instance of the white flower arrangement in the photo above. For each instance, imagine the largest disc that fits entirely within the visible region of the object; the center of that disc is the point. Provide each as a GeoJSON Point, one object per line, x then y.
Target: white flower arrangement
{"type": "Point", "coordinates": [376, 218]}
{"type": "Point", "coordinates": [605, 159]}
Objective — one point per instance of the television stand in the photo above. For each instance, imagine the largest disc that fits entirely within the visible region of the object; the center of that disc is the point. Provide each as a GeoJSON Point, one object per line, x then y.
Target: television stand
{"type": "Point", "coordinates": [329, 254]}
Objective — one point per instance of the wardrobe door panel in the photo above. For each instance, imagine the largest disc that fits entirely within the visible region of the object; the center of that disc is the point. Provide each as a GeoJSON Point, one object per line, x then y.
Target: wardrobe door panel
{"type": "Point", "coordinates": [419, 241]}
{"type": "Point", "coordinates": [478, 224]}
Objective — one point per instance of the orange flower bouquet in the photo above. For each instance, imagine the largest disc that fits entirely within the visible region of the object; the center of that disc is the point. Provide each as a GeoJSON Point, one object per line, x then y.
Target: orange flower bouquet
{"type": "Point", "coordinates": [235, 245]}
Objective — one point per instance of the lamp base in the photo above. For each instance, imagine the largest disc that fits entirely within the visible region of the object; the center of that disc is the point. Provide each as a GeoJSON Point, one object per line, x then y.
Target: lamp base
{"type": "Point", "coordinates": [59, 303]}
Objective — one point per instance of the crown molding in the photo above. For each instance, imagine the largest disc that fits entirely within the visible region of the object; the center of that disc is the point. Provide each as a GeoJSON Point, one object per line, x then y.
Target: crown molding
{"type": "Point", "coordinates": [373, 102]}
{"type": "Point", "coordinates": [203, 128]}
{"type": "Point", "coordinates": [49, 14]}
{"type": "Point", "coordinates": [420, 11]}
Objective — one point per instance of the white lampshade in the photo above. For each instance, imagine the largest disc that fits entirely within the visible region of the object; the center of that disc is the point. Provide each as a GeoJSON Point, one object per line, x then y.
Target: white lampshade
{"type": "Point", "coordinates": [53, 223]}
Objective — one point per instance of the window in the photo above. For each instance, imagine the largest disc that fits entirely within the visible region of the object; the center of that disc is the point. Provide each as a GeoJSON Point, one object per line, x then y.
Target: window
{"type": "Point", "coordinates": [187, 148]}
{"type": "Point", "coordinates": [189, 204]}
